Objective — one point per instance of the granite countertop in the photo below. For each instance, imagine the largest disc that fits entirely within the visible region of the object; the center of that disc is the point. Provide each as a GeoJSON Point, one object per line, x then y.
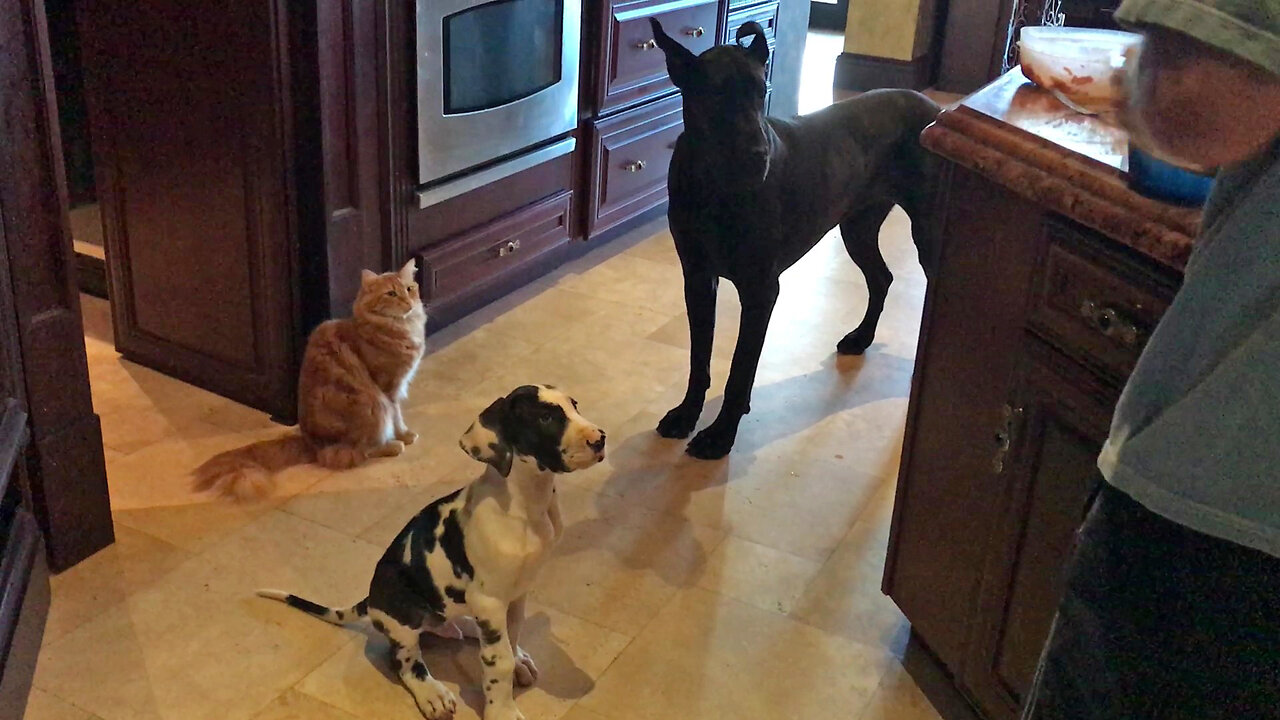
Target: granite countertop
{"type": "Point", "coordinates": [1023, 138]}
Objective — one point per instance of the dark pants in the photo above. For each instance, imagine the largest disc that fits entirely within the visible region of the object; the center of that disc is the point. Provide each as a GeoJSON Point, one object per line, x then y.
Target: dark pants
{"type": "Point", "coordinates": [1160, 621]}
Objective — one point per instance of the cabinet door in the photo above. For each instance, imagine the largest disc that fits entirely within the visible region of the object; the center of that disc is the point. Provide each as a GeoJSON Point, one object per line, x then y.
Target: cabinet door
{"type": "Point", "coordinates": [1058, 419]}
{"type": "Point", "coordinates": [971, 335]}
{"type": "Point", "coordinates": [189, 111]}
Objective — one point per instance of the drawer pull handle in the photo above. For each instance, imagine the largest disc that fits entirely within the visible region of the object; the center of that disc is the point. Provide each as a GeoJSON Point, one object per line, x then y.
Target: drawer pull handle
{"type": "Point", "coordinates": [509, 248]}
{"type": "Point", "coordinates": [634, 166]}
{"type": "Point", "coordinates": [695, 32]}
{"type": "Point", "coordinates": [1006, 435]}
{"type": "Point", "coordinates": [647, 44]}
{"type": "Point", "coordinates": [1110, 323]}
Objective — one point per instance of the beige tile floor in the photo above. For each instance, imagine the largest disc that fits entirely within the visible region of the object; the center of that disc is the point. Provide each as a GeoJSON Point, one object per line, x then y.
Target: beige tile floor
{"type": "Point", "coordinates": [744, 588]}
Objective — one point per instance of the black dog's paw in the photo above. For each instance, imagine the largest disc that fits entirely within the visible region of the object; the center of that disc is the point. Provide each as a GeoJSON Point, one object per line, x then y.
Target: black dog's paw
{"type": "Point", "coordinates": [711, 444]}
{"type": "Point", "coordinates": [855, 343]}
{"type": "Point", "coordinates": [679, 422]}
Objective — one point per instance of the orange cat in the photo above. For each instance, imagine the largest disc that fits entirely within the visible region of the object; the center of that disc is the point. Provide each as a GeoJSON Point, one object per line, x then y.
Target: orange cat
{"type": "Point", "coordinates": [355, 374]}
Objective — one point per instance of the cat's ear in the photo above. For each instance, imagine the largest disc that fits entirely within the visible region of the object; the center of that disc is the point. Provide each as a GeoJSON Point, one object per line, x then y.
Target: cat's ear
{"type": "Point", "coordinates": [409, 270]}
{"type": "Point", "coordinates": [367, 276]}
{"type": "Point", "coordinates": [483, 440]}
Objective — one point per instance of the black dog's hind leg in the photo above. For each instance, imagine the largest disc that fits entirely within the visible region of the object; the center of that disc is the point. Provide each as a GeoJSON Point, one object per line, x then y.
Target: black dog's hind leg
{"type": "Point", "coordinates": [758, 299]}
{"type": "Point", "coordinates": [861, 235]}
{"type": "Point", "coordinates": [700, 302]}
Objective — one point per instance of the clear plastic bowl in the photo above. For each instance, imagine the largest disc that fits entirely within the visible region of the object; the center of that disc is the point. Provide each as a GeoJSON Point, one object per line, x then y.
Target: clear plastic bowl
{"type": "Point", "coordinates": [1081, 66]}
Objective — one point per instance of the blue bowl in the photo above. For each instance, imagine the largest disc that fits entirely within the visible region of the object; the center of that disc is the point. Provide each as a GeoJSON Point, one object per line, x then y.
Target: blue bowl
{"type": "Point", "coordinates": [1158, 179]}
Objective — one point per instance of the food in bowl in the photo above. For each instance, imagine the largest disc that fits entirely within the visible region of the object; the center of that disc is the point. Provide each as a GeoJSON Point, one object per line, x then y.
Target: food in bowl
{"type": "Point", "coordinates": [1082, 67]}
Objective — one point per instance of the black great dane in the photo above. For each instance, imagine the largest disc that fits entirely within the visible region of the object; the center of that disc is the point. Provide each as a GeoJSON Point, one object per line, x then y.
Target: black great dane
{"type": "Point", "coordinates": [750, 195]}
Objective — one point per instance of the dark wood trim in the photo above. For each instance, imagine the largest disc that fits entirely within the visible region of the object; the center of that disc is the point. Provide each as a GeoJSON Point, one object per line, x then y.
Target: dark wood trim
{"type": "Point", "coordinates": [974, 37]}
{"type": "Point", "coordinates": [935, 682]}
{"type": "Point", "coordinates": [91, 275]}
{"type": "Point", "coordinates": [918, 375]}
{"type": "Point", "coordinates": [215, 182]}
{"type": "Point", "coordinates": [397, 114]}
{"type": "Point", "coordinates": [64, 461]}
{"type": "Point", "coordinates": [866, 72]}
{"type": "Point", "coordinates": [24, 606]}
{"type": "Point", "coordinates": [337, 163]}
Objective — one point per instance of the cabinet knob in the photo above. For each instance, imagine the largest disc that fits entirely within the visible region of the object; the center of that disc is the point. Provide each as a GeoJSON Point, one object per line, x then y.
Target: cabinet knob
{"type": "Point", "coordinates": [695, 32]}
{"type": "Point", "coordinates": [1109, 322]}
{"type": "Point", "coordinates": [634, 166]}
{"type": "Point", "coordinates": [510, 247]}
{"type": "Point", "coordinates": [647, 44]}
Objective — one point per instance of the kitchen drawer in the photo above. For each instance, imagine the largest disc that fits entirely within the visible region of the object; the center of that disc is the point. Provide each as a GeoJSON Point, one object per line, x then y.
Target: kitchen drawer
{"type": "Point", "coordinates": [630, 158]}
{"type": "Point", "coordinates": [633, 68]}
{"type": "Point", "coordinates": [492, 252]}
{"type": "Point", "coordinates": [1095, 303]}
{"type": "Point", "coordinates": [767, 17]}
{"type": "Point", "coordinates": [447, 221]}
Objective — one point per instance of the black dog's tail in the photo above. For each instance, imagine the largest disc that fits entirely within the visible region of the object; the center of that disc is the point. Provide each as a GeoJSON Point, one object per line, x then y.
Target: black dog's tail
{"type": "Point", "coordinates": [328, 614]}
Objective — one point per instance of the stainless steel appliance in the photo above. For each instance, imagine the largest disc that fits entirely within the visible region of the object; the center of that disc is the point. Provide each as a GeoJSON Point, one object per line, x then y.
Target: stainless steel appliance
{"type": "Point", "coordinates": [497, 79]}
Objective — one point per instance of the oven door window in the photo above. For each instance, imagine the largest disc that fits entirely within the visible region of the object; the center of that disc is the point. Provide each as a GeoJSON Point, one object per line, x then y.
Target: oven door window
{"type": "Point", "coordinates": [501, 52]}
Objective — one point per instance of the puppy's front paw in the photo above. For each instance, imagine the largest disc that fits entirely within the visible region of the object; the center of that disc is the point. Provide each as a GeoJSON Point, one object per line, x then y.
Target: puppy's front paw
{"type": "Point", "coordinates": [408, 437]}
{"type": "Point", "coordinates": [434, 700]}
{"type": "Point", "coordinates": [712, 443]}
{"type": "Point", "coordinates": [525, 671]}
{"type": "Point", "coordinates": [679, 422]}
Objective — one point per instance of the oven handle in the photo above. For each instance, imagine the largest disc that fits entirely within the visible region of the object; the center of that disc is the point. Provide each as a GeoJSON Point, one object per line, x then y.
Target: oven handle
{"type": "Point", "coordinates": [439, 193]}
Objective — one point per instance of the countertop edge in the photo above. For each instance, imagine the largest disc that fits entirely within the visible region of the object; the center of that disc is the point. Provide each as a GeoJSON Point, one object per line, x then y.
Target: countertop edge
{"type": "Point", "coordinates": [1065, 182]}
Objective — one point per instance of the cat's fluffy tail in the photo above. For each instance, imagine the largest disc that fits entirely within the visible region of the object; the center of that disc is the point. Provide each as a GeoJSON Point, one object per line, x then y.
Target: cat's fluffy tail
{"type": "Point", "coordinates": [246, 473]}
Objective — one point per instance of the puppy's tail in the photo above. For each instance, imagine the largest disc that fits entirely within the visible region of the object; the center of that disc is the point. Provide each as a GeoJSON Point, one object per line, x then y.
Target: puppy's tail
{"type": "Point", "coordinates": [245, 473]}
{"type": "Point", "coordinates": [328, 614]}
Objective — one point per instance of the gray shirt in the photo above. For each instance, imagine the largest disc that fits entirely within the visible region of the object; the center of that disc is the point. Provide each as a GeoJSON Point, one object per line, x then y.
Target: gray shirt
{"type": "Point", "coordinates": [1196, 436]}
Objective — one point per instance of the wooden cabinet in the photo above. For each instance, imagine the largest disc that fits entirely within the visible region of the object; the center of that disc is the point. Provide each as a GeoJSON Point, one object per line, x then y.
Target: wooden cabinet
{"type": "Point", "coordinates": [486, 255]}
{"type": "Point", "coordinates": [1057, 420]}
{"type": "Point", "coordinates": [630, 156]}
{"type": "Point", "coordinates": [42, 353]}
{"type": "Point", "coordinates": [970, 339]}
{"type": "Point", "coordinates": [1032, 325]}
{"type": "Point", "coordinates": [632, 67]}
{"type": "Point", "coordinates": [237, 159]}
{"type": "Point", "coordinates": [461, 243]}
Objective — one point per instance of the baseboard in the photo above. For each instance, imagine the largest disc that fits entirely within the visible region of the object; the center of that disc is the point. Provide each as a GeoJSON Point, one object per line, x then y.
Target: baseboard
{"type": "Point", "coordinates": [934, 680]}
{"type": "Point", "coordinates": [91, 275]}
{"type": "Point", "coordinates": [865, 72]}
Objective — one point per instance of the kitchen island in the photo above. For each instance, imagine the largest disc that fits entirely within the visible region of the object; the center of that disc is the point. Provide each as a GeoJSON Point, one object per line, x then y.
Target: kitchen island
{"type": "Point", "coordinates": [1051, 276]}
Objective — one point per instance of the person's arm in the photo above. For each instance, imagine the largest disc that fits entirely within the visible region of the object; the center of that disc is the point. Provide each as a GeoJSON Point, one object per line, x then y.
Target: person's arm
{"type": "Point", "coordinates": [1197, 103]}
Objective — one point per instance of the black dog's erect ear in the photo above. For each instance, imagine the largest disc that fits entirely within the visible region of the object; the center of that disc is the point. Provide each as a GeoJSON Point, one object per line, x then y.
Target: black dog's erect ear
{"type": "Point", "coordinates": [680, 61]}
{"type": "Point", "coordinates": [759, 47]}
{"type": "Point", "coordinates": [483, 440]}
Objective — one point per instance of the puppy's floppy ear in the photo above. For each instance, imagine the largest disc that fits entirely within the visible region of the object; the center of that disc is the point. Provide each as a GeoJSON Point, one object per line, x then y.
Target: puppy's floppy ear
{"type": "Point", "coordinates": [680, 62]}
{"type": "Point", "coordinates": [758, 49]}
{"type": "Point", "coordinates": [483, 440]}
{"type": "Point", "coordinates": [409, 270]}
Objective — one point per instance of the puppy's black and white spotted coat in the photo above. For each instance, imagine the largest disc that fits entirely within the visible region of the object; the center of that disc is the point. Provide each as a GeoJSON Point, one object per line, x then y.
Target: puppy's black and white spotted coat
{"type": "Point", "coordinates": [466, 562]}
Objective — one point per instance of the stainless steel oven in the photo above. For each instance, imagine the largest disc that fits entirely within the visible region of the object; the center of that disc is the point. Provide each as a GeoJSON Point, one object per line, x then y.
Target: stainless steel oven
{"type": "Point", "coordinates": [497, 79]}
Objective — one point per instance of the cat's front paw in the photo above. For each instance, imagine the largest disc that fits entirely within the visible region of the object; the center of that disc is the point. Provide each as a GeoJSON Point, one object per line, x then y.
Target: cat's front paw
{"type": "Point", "coordinates": [408, 437]}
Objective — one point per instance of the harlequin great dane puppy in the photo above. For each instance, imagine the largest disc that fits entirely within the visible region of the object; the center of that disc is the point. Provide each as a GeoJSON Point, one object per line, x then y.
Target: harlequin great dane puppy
{"type": "Point", "coordinates": [466, 562]}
